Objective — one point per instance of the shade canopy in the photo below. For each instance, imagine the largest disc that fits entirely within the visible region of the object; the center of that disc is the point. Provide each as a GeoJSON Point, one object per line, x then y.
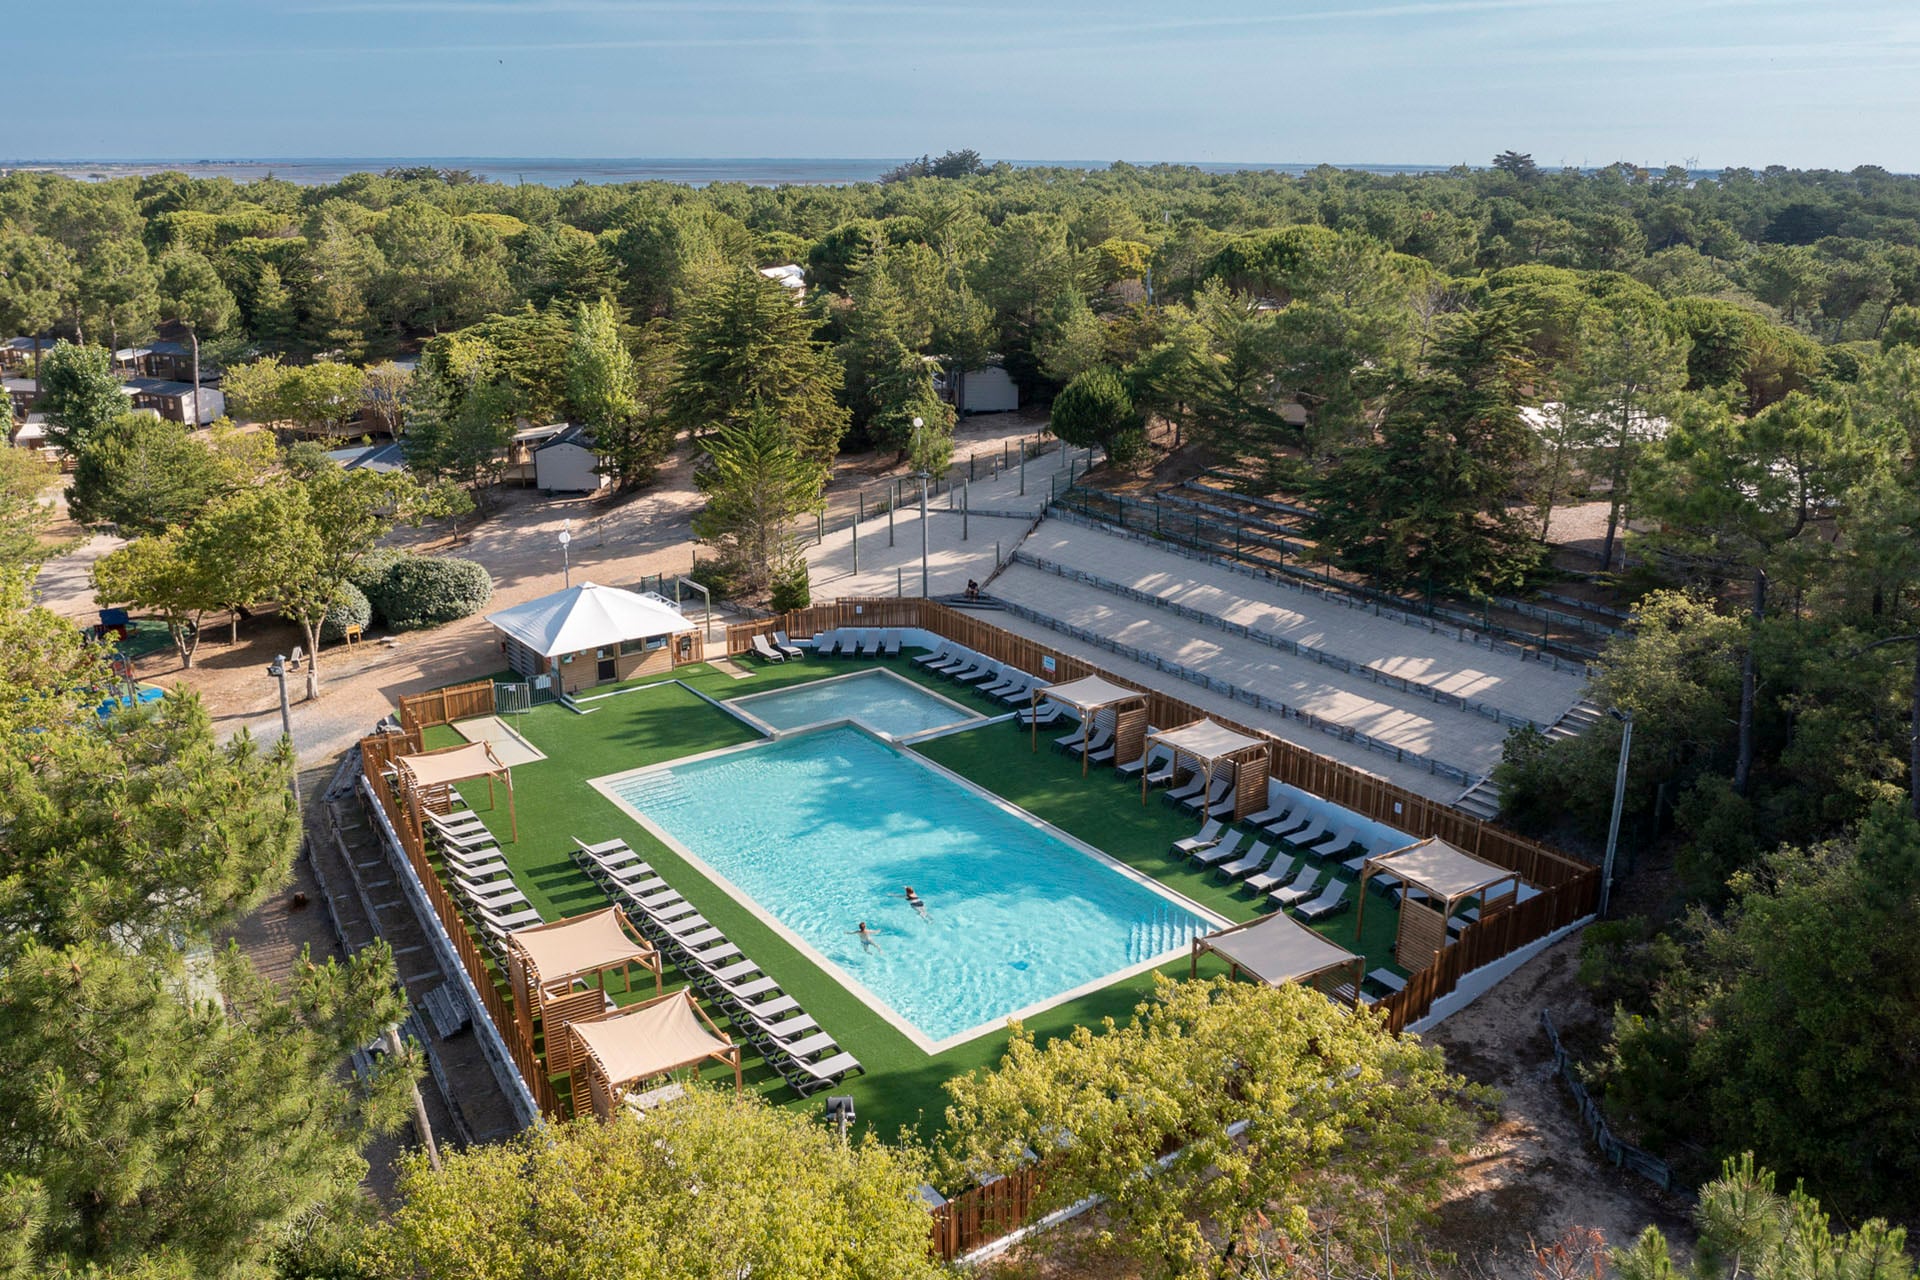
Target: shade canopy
{"type": "Point", "coordinates": [453, 764]}
{"type": "Point", "coordinates": [1277, 949]}
{"type": "Point", "coordinates": [1089, 693]}
{"type": "Point", "coordinates": [1206, 740]}
{"type": "Point", "coordinates": [586, 617]}
{"type": "Point", "coordinates": [651, 1038]}
{"type": "Point", "coordinates": [1443, 871]}
{"type": "Point", "coordinates": [558, 952]}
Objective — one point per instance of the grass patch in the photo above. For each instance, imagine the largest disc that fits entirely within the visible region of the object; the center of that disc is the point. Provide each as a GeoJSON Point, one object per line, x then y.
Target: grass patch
{"type": "Point", "coordinates": [902, 1084]}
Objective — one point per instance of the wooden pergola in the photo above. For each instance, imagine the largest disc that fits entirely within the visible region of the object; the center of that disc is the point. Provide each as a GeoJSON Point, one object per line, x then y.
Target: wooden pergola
{"type": "Point", "coordinates": [544, 960]}
{"type": "Point", "coordinates": [427, 777]}
{"type": "Point", "coordinates": [1207, 743]}
{"type": "Point", "coordinates": [653, 1038]}
{"type": "Point", "coordinates": [1277, 949]}
{"type": "Point", "coordinates": [1444, 876]}
{"type": "Point", "coordinates": [1090, 695]}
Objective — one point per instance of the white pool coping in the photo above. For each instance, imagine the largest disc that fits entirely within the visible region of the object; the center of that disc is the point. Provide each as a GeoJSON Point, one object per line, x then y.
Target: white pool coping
{"type": "Point", "coordinates": [605, 786]}
{"type": "Point", "coordinates": [964, 716]}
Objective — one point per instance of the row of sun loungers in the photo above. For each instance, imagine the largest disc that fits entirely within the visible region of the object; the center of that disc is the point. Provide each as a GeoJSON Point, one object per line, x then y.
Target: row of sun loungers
{"type": "Point", "coordinates": [858, 642]}
{"type": "Point", "coordinates": [773, 1022]}
{"type": "Point", "coordinates": [998, 680]}
{"type": "Point", "coordinates": [480, 877]}
{"type": "Point", "coordinates": [1283, 877]}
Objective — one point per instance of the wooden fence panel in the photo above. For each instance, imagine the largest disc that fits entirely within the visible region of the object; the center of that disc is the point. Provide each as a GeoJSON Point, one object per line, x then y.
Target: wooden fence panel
{"type": "Point", "coordinates": [374, 755]}
{"type": "Point", "coordinates": [444, 706]}
{"type": "Point", "coordinates": [980, 1215]}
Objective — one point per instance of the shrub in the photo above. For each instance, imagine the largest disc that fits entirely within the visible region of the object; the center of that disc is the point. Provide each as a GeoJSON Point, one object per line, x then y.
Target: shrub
{"type": "Point", "coordinates": [370, 574]}
{"type": "Point", "coordinates": [791, 589]}
{"type": "Point", "coordinates": [424, 591]}
{"type": "Point", "coordinates": [352, 609]}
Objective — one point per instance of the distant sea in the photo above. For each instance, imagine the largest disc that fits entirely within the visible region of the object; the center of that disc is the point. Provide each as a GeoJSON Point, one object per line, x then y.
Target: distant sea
{"type": "Point", "coordinates": [314, 171]}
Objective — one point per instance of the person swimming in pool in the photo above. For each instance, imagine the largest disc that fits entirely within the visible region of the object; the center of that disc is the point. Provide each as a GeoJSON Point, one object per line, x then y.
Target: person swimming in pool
{"type": "Point", "coordinates": [866, 936]}
{"type": "Point", "coordinates": [915, 901]}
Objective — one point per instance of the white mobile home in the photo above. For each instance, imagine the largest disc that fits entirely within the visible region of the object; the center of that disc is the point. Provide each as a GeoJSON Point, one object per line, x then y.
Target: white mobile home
{"type": "Point", "coordinates": [567, 463]}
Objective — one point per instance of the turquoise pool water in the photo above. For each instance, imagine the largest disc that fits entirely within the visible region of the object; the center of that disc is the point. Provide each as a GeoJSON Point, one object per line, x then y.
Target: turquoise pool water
{"type": "Point", "coordinates": [880, 700]}
{"type": "Point", "coordinates": [824, 830]}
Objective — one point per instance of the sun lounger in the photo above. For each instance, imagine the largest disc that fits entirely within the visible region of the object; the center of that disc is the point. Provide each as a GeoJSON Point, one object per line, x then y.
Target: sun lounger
{"type": "Point", "coordinates": [989, 670]}
{"type": "Point", "coordinates": [1223, 807]}
{"type": "Point", "coordinates": [1207, 797]}
{"type": "Point", "coordinates": [1249, 862]}
{"type": "Point", "coordinates": [1161, 774]}
{"type": "Point", "coordinates": [737, 981]}
{"type": "Point", "coordinates": [1386, 979]}
{"type": "Point", "coordinates": [1340, 839]}
{"type": "Point", "coordinates": [1333, 898]}
{"type": "Point", "coordinates": [507, 920]}
{"type": "Point", "coordinates": [870, 645]}
{"type": "Point", "coordinates": [1021, 693]}
{"type": "Point", "coordinates": [1192, 787]}
{"type": "Point", "coordinates": [890, 644]}
{"type": "Point", "coordinates": [1272, 813]}
{"type": "Point", "coordinates": [1009, 681]}
{"type": "Point", "coordinates": [958, 660]}
{"type": "Point", "coordinates": [1048, 715]}
{"type": "Point", "coordinates": [1205, 838]}
{"type": "Point", "coordinates": [480, 869]}
{"type": "Point", "coordinates": [763, 648]}
{"type": "Point", "coordinates": [462, 822]}
{"type": "Point", "coordinates": [1132, 768]}
{"type": "Point", "coordinates": [787, 648]}
{"type": "Point", "coordinates": [475, 838]}
{"type": "Point", "coordinates": [1101, 737]}
{"type": "Point", "coordinates": [790, 1033]}
{"type": "Point", "coordinates": [1214, 855]}
{"type": "Point", "coordinates": [1278, 872]}
{"type": "Point", "coordinates": [1103, 756]}
{"type": "Point", "coordinates": [808, 1077]}
{"type": "Point", "coordinates": [931, 656]}
{"type": "Point", "coordinates": [1307, 835]}
{"type": "Point", "coordinates": [1303, 884]}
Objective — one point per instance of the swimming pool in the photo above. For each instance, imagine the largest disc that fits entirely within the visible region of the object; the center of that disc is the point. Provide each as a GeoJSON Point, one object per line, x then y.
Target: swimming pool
{"type": "Point", "coordinates": [878, 699]}
{"type": "Point", "coordinates": [821, 831]}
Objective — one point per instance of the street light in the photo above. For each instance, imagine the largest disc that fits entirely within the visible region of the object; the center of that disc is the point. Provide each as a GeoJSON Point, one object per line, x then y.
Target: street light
{"type": "Point", "coordinates": [1619, 799]}
{"type": "Point", "coordinates": [922, 476]}
{"type": "Point", "coordinates": [566, 563]}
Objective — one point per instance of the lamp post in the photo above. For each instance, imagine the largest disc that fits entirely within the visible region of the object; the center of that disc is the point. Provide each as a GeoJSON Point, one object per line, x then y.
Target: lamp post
{"type": "Point", "coordinates": [923, 476]}
{"type": "Point", "coordinates": [1619, 799]}
{"type": "Point", "coordinates": [566, 562]}
{"type": "Point", "coordinates": [277, 669]}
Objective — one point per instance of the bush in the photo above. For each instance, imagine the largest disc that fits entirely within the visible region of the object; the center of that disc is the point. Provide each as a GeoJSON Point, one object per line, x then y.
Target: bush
{"type": "Point", "coordinates": [424, 591]}
{"type": "Point", "coordinates": [791, 589]}
{"type": "Point", "coordinates": [372, 570]}
{"type": "Point", "coordinates": [352, 609]}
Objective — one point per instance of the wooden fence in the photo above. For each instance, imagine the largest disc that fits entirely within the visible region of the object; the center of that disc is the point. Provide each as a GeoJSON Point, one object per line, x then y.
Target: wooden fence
{"type": "Point", "coordinates": [376, 753]}
{"type": "Point", "coordinates": [980, 1215]}
{"type": "Point", "coordinates": [444, 706]}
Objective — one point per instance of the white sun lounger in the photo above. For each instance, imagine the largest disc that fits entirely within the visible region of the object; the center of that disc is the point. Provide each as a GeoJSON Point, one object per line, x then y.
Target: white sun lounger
{"type": "Point", "coordinates": [1214, 855]}
{"type": "Point", "coordinates": [787, 648]}
{"type": "Point", "coordinates": [1272, 813]}
{"type": "Point", "coordinates": [806, 1077]}
{"type": "Point", "coordinates": [1303, 884]}
{"type": "Point", "coordinates": [1340, 839]}
{"type": "Point", "coordinates": [1331, 899]}
{"type": "Point", "coordinates": [1249, 862]}
{"type": "Point", "coordinates": [1278, 872]}
{"type": "Point", "coordinates": [1305, 838]}
{"type": "Point", "coordinates": [1205, 838]}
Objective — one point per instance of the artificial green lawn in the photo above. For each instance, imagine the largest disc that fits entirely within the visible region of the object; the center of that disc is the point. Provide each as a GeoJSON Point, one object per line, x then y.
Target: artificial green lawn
{"type": "Point", "coordinates": [901, 1086]}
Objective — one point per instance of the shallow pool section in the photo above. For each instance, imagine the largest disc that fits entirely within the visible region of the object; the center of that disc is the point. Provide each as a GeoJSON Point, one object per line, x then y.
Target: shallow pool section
{"type": "Point", "coordinates": [821, 831]}
{"type": "Point", "coordinates": [878, 699]}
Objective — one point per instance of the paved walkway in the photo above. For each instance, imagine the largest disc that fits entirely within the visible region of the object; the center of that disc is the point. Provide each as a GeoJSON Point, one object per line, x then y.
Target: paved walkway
{"type": "Point", "coordinates": [1402, 719]}
{"type": "Point", "coordinates": [885, 571]}
{"type": "Point", "coordinates": [1431, 658]}
{"type": "Point", "coordinates": [1410, 776]}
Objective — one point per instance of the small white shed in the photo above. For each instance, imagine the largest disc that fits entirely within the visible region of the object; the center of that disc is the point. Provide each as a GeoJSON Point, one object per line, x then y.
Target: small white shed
{"type": "Point", "coordinates": [987, 390]}
{"type": "Point", "coordinates": [568, 464]}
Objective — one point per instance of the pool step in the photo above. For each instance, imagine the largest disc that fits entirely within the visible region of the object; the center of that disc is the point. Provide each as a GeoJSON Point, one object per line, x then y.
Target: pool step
{"type": "Point", "coordinates": [1150, 938]}
{"type": "Point", "coordinates": [651, 795]}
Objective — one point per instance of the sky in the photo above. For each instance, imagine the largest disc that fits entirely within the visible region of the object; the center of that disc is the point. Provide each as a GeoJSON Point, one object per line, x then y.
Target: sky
{"type": "Point", "coordinates": [1805, 83]}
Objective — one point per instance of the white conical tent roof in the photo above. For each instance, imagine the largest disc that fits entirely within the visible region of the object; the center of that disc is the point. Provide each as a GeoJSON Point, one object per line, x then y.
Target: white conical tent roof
{"type": "Point", "coordinates": [588, 616]}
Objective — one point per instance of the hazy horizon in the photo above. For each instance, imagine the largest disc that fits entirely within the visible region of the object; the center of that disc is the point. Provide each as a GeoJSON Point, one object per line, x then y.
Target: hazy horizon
{"type": "Point", "coordinates": [1704, 83]}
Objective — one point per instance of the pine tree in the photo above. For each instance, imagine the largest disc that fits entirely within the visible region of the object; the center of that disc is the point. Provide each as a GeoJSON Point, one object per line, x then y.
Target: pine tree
{"type": "Point", "coordinates": [604, 394]}
{"type": "Point", "coordinates": [1429, 500]}
{"type": "Point", "coordinates": [757, 485]}
{"type": "Point", "coordinates": [747, 352]}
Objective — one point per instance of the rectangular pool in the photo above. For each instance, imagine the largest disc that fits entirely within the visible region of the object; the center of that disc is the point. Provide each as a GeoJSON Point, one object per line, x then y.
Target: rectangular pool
{"type": "Point", "coordinates": [820, 831]}
{"type": "Point", "coordinates": [876, 698]}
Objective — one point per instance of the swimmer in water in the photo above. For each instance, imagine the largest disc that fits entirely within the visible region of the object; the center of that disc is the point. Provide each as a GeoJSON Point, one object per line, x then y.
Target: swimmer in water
{"type": "Point", "coordinates": [866, 935]}
{"type": "Point", "coordinates": [915, 901]}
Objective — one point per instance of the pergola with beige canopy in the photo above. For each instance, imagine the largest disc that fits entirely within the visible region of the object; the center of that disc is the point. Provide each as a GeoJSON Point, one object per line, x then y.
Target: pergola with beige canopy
{"type": "Point", "coordinates": [618, 1050]}
{"type": "Point", "coordinates": [426, 778]}
{"type": "Point", "coordinates": [1444, 875]}
{"type": "Point", "coordinates": [1206, 743]}
{"type": "Point", "coordinates": [1278, 949]}
{"type": "Point", "coordinates": [544, 960]}
{"type": "Point", "coordinates": [1090, 695]}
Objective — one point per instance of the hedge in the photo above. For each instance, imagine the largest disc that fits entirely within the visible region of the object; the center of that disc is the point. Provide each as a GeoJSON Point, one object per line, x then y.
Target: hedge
{"type": "Point", "coordinates": [425, 591]}
{"type": "Point", "coordinates": [352, 609]}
